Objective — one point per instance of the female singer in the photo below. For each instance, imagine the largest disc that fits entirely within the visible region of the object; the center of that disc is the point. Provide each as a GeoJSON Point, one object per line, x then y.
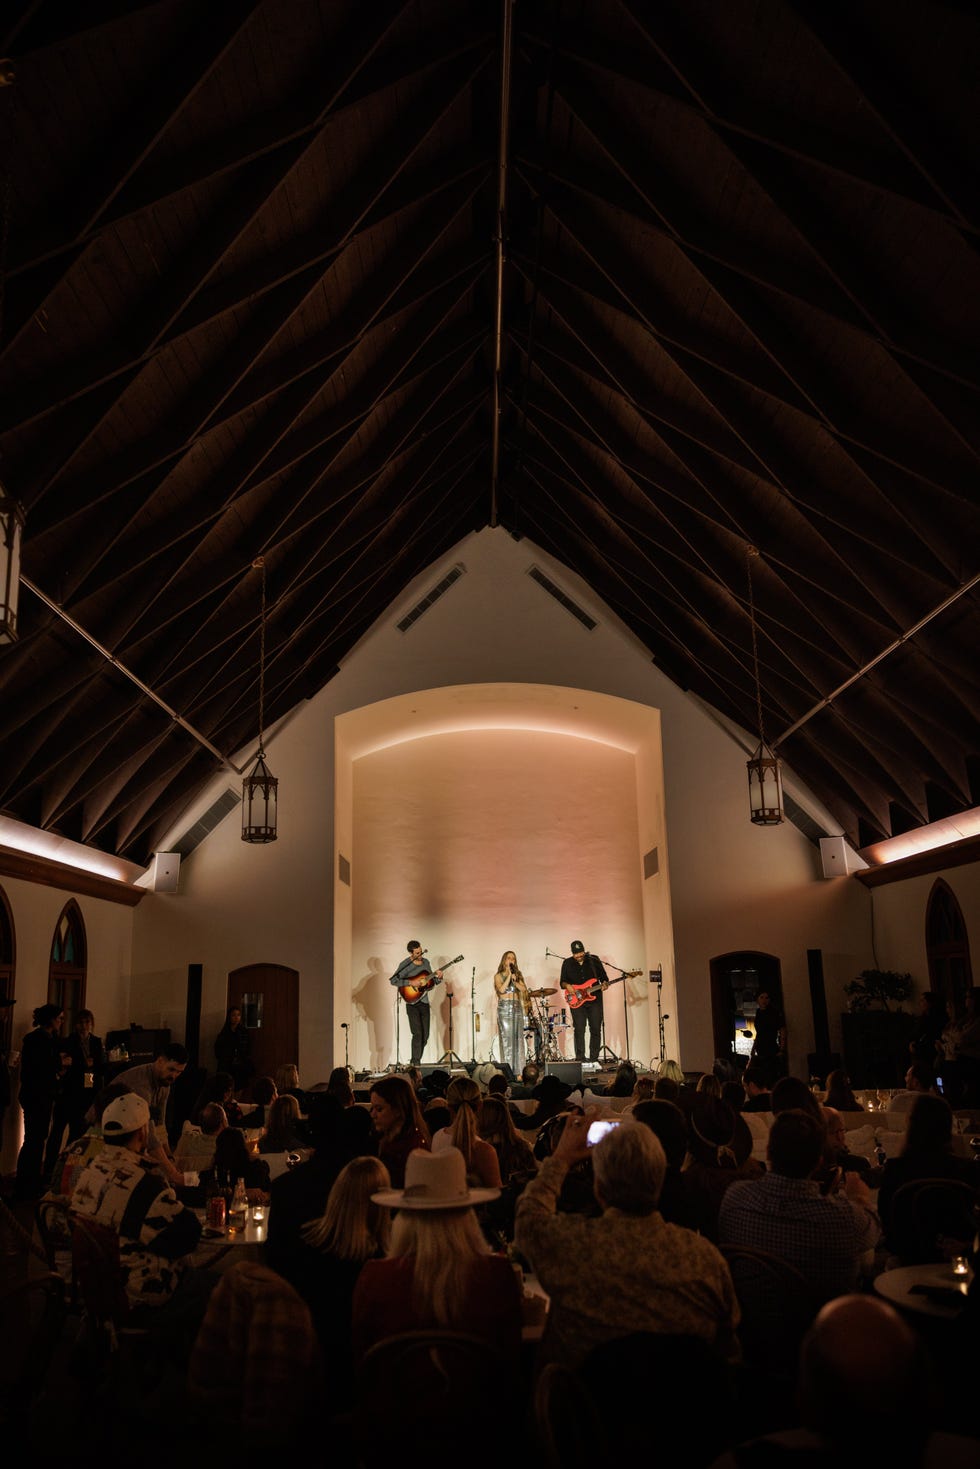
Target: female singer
{"type": "Point", "coordinates": [513, 1003]}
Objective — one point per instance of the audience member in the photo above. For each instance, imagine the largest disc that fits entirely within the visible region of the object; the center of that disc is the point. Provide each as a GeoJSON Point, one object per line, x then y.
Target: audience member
{"type": "Point", "coordinates": [626, 1270]}
{"type": "Point", "coordinates": [41, 1067]}
{"type": "Point", "coordinates": [839, 1094]}
{"type": "Point", "coordinates": [865, 1397]}
{"type": "Point", "coordinates": [463, 1132]}
{"type": "Point", "coordinates": [927, 1153]}
{"type": "Point", "coordinates": [232, 1046]}
{"type": "Point", "coordinates": [838, 1155]}
{"type": "Point", "coordinates": [399, 1124]}
{"type": "Point", "coordinates": [440, 1272]}
{"type": "Point", "coordinates": [720, 1146]}
{"type": "Point", "coordinates": [287, 1084]}
{"type": "Point", "coordinates": [785, 1214]}
{"type": "Point", "coordinates": [338, 1136]}
{"type": "Point", "coordinates": [156, 1233]}
{"type": "Point", "coordinates": [756, 1086]}
{"type": "Point", "coordinates": [153, 1081]}
{"type": "Point", "coordinates": [514, 1154]}
{"type": "Point", "coordinates": [195, 1146]}
{"type": "Point", "coordinates": [672, 1071]}
{"type": "Point", "coordinates": [668, 1123]}
{"type": "Point", "coordinates": [86, 1074]}
{"type": "Point", "coordinates": [918, 1083]}
{"type": "Point", "coordinates": [327, 1259]}
{"type": "Point", "coordinates": [233, 1161]}
{"type": "Point", "coordinates": [642, 1092]}
{"type": "Point", "coordinates": [523, 1090]}
{"type": "Point", "coordinates": [339, 1086]}
{"type": "Point", "coordinates": [666, 1089]}
{"type": "Point", "coordinates": [264, 1093]}
{"type": "Point", "coordinates": [708, 1085]}
{"type": "Point", "coordinates": [733, 1093]}
{"type": "Point", "coordinates": [926, 1043]}
{"type": "Point", "coordinates": [282, 1129]}
{"type": "Point", "coordinates": [551, 1095]}
{"type": "Point", "coordinates": [624, 1081]}
{"type": "Point", "coordinates": [790, 1094]}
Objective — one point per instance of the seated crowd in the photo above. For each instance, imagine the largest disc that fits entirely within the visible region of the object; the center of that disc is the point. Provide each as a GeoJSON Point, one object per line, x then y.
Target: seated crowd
{"type": "Point", "coordinates": [409, 1213]}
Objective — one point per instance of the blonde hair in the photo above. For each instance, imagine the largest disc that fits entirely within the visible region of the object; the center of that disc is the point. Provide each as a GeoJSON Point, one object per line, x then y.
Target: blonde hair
{"type": "Point", "coordinates": [286, 1076]}
{"type": "Point", "coordinates": [351, 1227]}
{"type": "Point", "coordinates": [444, 1244]}
{"type": "Point", "coordinates": [464, 1100]}
{"type": "Point", "coordinates": [281, 1122]}
{"type": "Point", "coordinates": [672, 1071]}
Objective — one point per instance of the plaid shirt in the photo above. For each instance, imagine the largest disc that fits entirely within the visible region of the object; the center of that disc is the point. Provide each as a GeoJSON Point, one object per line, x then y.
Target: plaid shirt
{"type": "Point", "coordinates": [789, 1217]}
{"type": "Point", "coordinates": [621, 1273]}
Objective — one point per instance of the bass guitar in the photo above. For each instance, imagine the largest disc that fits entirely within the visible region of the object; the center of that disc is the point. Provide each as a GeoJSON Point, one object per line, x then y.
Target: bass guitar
{"type": "Point", "coordinates": [412, 992]}
{"type": "Point", "coordinates": [578, 995]}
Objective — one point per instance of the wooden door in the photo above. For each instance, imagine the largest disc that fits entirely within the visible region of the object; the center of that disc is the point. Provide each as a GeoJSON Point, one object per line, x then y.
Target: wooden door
{"type": "Point", "coordinates": [268, 997]}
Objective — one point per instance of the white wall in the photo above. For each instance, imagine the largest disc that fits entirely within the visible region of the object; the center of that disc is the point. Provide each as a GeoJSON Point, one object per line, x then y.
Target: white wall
{"type": "Point", "coordinates": [731, 885]}
{"type": "Point", "coordinates": [900, 920]}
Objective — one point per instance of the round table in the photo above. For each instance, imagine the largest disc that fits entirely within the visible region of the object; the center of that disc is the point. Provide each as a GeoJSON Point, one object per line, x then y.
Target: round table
{"type": "Point", "coordinates": [899, 1288]}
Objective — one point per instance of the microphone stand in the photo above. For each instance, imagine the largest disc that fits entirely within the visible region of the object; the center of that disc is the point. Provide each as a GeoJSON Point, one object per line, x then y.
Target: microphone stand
{"type": "Point", "coordinates": [448, 1057]}
{"type": "Point", "coordinates": [626, 1014]}
{"type": "Point", "coordinates": [657, 978]}
{"type": "Point", "coordinates": [472, 1018]}
{"type": "Point", "coordinates": [346, 1029]}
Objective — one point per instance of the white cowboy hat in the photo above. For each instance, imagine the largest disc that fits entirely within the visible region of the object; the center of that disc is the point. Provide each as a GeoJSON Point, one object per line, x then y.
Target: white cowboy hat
{"type": "Point", "coordinates": [434, 1181]}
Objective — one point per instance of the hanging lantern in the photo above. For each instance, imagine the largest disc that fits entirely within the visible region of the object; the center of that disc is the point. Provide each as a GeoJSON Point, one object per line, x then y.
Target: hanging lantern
{"type": "Point", "coordinates": [765, 787]}
{"type": "Point", "coordinates": [765, 782]}
{"type": "Point", "coordinates": [260, 788]}
{"type": "Point", "coordinates": [11, 526]}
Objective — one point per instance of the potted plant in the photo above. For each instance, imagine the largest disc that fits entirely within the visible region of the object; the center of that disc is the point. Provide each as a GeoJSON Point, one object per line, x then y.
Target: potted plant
{"type": "Point", "coordinates": [876, 1030]}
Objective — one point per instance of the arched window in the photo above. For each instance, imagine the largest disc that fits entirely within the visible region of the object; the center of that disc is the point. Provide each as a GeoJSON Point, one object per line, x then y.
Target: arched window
{"type": "Point", "coordinates": [947, 944]}
{"type": "Point", "coordinates": [66, 974]}
{"type": "Point", "coordinates": [7, 957]}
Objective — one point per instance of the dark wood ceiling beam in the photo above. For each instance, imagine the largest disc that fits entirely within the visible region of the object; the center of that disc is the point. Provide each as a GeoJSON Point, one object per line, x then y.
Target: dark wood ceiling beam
{"type": "Point", "coordinates": [324, 533]}
{"type": "Point", "coordinates": [130, 807]}
{"type": "Point", "coordinates": [670, 214]}
{"type": "Point", "coordinates": [44, 23]}
{"type": "Point", "coordinates": [830, 407]}
{"type": "Point", "coordinates": [332, 72]}
{"type": "Point", "coordinates": [939, 157]}
{"type": "Point", "coordinates": [790, 134]}
{"type": "Point", "coordinates": [648, 476]}
{"type": "Point", "coordinates": [230, 224]}
{"type": "Point", "coordinates": [198, 42]}
{"type": "Point", "coordinates": [341, 77]}
{"type": "Point", "coordinates": [107, 772]}
{"type": "Point", "coordinates": [281, 522]}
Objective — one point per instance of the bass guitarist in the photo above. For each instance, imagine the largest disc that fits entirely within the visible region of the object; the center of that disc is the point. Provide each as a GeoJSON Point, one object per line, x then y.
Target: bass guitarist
{"type": "Point", "coordinates": [417, 973]}
{"type": "Point", "coordinates": [584, 969]}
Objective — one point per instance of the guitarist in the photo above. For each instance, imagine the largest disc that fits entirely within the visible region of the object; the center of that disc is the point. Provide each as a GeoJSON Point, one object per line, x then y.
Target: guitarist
{"type": "Point", "coordinates": [577, 970]}
{"type": "Point", "coordinates": [417, 970]}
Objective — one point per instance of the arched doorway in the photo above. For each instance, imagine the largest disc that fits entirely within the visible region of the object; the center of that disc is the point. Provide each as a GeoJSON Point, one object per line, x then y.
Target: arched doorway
{"type": "Point", "coordinates": [268, 997]}
{"type": "Point", "coordinates": [736, 980]}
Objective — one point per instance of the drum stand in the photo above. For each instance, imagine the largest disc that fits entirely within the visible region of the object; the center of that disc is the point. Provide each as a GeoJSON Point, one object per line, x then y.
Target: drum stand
{"type": "Point", "coordinates": [448, 1057]}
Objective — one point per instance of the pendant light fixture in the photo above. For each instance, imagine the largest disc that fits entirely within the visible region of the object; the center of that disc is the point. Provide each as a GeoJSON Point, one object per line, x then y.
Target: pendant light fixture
{"type": "Point", "coordinates": [765, 783]}
{"type": "Point", "coordinates": [260, 787]}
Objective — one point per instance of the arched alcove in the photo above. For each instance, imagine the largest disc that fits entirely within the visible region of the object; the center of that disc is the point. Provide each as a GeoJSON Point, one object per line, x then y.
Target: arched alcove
{"type": "Point", "coordinates": [947, 944]}
{"type": "Point", "coordinates": [68, 967]}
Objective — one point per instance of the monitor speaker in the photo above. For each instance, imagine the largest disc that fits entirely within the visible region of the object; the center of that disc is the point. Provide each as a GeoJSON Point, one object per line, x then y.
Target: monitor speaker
{"type": "Point", "coordinates": [567, 1071]}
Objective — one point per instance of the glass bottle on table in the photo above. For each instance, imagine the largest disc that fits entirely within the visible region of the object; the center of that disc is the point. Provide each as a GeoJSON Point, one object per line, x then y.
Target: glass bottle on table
{"type": "Point", "coordinates": [238, 1208]}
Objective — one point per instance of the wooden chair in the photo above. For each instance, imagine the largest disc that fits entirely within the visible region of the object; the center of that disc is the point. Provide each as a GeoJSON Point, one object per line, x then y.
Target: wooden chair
{"type": "Point", "coordinates": [33, 1315]}
{"type": "Point", "coordinates": [435, 1389]}
{"type": "Point", "coordinates": [566, 1419]}
{"type": "Point", "coordinates": [927, 1211]}
{"type": "Point", "coordinates": [99, 1279]}
{"type": "Point", "coordinates": [777, 1303]}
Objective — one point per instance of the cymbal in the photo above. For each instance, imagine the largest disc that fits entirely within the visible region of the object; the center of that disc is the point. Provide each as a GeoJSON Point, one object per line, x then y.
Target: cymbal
{"type": "Point", "coordinates": [540, 994]}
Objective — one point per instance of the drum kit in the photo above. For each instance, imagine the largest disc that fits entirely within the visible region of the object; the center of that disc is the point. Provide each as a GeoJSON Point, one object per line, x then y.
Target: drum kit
{"type": "Point", "coordinates": [543, 1028]}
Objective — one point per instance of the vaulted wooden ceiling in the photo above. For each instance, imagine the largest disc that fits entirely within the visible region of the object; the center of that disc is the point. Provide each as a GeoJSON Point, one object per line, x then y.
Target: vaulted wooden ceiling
{"type": "Point", "coordinates": [250, 308]}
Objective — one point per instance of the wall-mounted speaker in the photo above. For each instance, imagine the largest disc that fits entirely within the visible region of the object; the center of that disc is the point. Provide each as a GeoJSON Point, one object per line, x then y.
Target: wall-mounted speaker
{"type": "Point", "coordinates": [833, 856]}
{"type": "Point", "coordinates": [165, 872]}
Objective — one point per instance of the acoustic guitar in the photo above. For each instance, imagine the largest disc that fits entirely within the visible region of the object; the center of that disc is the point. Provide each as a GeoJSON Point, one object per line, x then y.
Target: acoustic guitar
{"type": "Point", "coordinates": [578, 995]}
{"type": "Point", "coordinates": [412, 992]}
